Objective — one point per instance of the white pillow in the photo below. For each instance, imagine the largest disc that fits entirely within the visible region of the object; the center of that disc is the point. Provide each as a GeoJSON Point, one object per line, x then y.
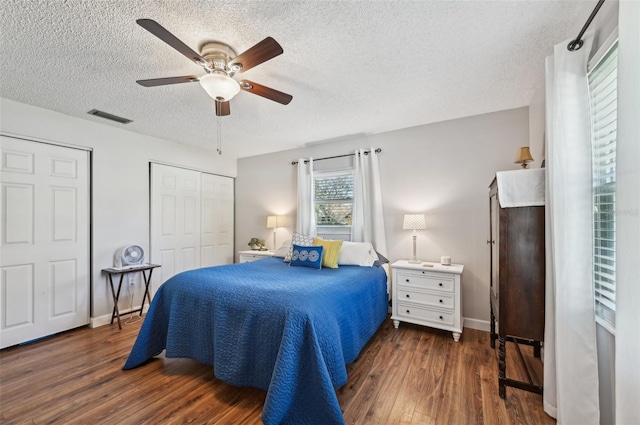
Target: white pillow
{"type": "Point", "coordinates": [283, 250]}
{"type": "Point", "coordinates": [357, 254]}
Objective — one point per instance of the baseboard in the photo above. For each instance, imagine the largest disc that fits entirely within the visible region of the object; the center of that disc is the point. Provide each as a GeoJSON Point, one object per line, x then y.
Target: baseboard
{"type": "Point", "coordinates": [481, 325]}
{"type": "Point", "coordinates": [98, 321]}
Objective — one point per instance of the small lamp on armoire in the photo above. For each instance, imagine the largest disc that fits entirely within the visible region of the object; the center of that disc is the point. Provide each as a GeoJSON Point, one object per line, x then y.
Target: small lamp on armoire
{"type": "Point", "coordinates": [523, 156]}
{"type": "Point", "coordinates": [414, 222]}
{"type": "Point", "coordinates": [272, 223]}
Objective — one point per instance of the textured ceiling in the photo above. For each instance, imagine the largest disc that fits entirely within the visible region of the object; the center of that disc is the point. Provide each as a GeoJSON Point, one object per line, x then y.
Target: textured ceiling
{"type": "Point", "coordinates": [353, 67]}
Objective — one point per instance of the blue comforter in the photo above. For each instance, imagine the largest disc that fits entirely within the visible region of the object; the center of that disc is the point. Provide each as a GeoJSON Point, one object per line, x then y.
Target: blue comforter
{"type": "Point", "coordinates": [287, 330]}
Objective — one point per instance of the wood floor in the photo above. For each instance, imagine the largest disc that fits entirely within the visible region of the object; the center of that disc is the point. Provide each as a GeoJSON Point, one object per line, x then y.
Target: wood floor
{"type": "Point", "coordinates": [410, 375]}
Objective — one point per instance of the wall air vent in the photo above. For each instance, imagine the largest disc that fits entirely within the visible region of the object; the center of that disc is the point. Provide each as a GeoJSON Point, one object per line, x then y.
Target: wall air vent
{"type": "Point", "coordinates": [109, 116]}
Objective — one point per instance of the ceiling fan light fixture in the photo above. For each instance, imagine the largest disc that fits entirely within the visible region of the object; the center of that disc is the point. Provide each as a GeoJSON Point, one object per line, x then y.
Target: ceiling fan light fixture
{"type": "Point", "coordinates": [220, 86]}
{"type": "Point", "coordinates": [221, 63]}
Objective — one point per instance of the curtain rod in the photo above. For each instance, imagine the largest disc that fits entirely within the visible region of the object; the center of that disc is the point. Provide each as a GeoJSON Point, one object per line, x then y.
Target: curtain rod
{"type": "Point", "coordinates": [306, 161]}
{"type": "Point", "coordinates": [577, 43]}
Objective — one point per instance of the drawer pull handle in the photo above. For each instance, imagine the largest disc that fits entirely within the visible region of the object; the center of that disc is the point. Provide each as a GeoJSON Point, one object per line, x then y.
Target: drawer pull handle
{"type": "Point", "coordinates": [440, 284]}
{"type": "Point", "coordinates": [440, 300]}
{"type": "Point", "coordinates": [408, 296]}
{"type": "Point", "coordinates": [407, 280]}
{"type": "Point", "coordinates": [407, 311]}
{"type": "Point", "coordinates": [441, 318]}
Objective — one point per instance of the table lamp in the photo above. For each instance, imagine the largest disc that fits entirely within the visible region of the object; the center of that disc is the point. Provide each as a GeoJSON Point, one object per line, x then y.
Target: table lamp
{"type": "Point", "coordinates": [523, 157]}
{"type": "Point", "coordinates": [414, 222]}
{"type": "Point", "coordinates": [272, 223]}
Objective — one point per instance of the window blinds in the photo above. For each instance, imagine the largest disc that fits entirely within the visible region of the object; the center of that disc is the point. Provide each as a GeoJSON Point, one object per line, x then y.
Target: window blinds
{"type": "Point", "coordinates": [334, 199]}
{"type": "Point", "coordinates": [603, 98]}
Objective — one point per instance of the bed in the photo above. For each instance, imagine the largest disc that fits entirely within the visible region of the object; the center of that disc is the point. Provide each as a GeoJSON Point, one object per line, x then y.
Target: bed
{"type": "Point", "coordinates": [287, 330]}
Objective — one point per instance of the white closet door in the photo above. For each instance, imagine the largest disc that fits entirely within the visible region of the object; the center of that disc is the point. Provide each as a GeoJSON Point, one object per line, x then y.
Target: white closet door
{"type": "Point", "coordinates": [175, 220]}
{"type": "Point", "coordinates": [217, 220]}
{"type": "Point", "coordinates": [44, 251]}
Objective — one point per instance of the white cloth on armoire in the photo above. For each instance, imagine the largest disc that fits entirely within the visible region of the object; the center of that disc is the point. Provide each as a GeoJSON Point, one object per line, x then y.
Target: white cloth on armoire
{"type": "Point", "coordinates": [521, 188]}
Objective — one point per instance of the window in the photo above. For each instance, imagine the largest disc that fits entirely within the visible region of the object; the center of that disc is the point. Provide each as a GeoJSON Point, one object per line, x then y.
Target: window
{"type": "Point", "coordinates": [334, 204]}
{"type": "Point", "coordinates": [603, 99]}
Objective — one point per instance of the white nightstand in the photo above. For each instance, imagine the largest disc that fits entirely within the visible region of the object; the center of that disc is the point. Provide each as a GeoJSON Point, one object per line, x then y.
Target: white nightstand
{"type": "Point", "coordinates": [246, 256]}
{"type": "Point", "coordinates": [427, 294]}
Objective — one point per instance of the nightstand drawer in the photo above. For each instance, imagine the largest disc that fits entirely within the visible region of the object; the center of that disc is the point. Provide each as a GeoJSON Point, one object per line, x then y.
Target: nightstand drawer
{"type": "Point", "coordinates": [443, 300]}
{"type": "Point", "coordinates": [415, 311]}
{"type": "Point", "coordinates": [425, 280]}
{"type": "Point", "coordinates": [248, 256]}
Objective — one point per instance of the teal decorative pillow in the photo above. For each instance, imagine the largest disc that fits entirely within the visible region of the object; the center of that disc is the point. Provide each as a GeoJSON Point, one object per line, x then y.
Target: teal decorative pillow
{"type": "Point", "coordinates": [307, 256]}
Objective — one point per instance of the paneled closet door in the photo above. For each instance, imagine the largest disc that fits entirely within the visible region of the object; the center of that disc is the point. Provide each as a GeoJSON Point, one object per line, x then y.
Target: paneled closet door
{"type": "Point", "coordinates": [175, 220]}
{"type": "Point", "coordinates": [217, 220]}
{"type": "Point", "coordinates": [44, 251]}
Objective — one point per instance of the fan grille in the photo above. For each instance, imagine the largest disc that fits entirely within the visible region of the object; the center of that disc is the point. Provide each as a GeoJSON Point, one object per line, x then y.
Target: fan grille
{"type": "Point", "coordinates": [133, 254]}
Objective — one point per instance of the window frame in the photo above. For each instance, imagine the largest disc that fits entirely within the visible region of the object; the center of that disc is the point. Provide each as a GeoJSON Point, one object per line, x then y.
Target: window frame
{"type": "Point", "coordinates": [332, 231]}
{"type": "Point", "coordinates": [605, 315]}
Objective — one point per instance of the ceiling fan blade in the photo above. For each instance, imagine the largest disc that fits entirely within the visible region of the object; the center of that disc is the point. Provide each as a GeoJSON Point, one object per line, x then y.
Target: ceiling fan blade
{"type": "Point", "coordinates": [159, 31]}
{"type": "Point", "coordinates": [261, 52]}
{"type": "Point", "coordinates": [222, 108]}
{"type": "Point", "coordinates": [170, 80]}
{"type": "Point", "coordinates": [264, 91]}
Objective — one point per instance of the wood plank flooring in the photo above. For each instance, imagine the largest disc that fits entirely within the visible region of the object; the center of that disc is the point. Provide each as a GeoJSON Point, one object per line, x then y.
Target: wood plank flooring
{"type": "Point", "coordinates": [411, 375]}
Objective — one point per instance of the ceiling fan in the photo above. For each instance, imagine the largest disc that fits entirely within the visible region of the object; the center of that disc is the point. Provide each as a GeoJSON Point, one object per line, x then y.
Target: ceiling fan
{"type": "Point", "coordinates": [221, 63]}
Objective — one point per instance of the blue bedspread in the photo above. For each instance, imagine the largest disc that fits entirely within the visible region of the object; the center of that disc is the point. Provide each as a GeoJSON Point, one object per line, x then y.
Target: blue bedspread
{"type": "Point", "coordinates": [287, 330]}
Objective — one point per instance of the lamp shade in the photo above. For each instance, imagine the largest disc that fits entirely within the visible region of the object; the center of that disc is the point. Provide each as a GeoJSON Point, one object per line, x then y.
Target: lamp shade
{"type": "Point", "coordinates": [220, 86]}
{"type": "Point", "coordinates": [523, 155]}
{"type": "Point", "coordinates": [272, 221]}
{"type": "Point", "coordinates": [414, 222]}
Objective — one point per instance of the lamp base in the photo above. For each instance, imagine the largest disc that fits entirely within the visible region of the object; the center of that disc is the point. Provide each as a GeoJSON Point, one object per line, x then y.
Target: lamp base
{"type": "Point", "coordinates": [414, 258]}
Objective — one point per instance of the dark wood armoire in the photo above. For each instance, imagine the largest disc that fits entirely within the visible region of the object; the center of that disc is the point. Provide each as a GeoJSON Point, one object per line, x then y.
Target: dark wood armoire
{"type": "Point", "coordinates": [517, 281]}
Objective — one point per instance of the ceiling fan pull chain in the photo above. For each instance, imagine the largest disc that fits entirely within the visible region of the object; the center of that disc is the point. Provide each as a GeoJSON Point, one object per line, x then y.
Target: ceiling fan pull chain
{"type": "Point", "coordinates": [219, 148]}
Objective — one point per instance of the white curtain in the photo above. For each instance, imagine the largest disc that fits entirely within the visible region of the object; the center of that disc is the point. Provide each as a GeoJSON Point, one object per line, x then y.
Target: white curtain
{"type": "Point", "coordinates": [306, 220]}
{"type": "Point", "coordinates": [627, 371]}
{"type": "Point", "coordinates": [368, 219]}
{"type": "Point", "coordinates": [570, 356]}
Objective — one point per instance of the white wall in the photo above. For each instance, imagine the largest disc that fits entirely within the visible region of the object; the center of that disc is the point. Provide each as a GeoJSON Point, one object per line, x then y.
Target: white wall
{"type": "Point", "coordinates": [627, 385]}
{"type": "Point", "coordinates": [606, 374]}
{"type": "Point", "coordinates": [120, 172]}
{"type": "Point", "coordinates": [442, 169]}
{"type": "Point", "coordinates": [536, 128]}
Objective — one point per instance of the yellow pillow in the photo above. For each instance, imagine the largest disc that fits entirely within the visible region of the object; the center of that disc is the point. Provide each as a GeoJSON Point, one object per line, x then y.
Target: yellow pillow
{"type": "Point", "coordinates": [331, 252]}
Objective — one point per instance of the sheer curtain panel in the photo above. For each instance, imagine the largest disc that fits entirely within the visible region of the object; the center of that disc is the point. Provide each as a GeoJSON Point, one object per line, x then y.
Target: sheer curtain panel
{"type": "Point", "coordinates": [306, 218]}
{"type": "Point", "coordinates": [368, 218]}
{"type": "Point", "coordinates": [570, 356]}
